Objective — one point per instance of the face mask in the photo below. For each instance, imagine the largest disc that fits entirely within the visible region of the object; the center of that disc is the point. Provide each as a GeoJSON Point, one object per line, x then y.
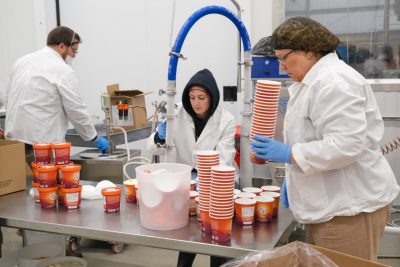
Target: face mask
{"type": "Point", "coordinates": [69, 59]}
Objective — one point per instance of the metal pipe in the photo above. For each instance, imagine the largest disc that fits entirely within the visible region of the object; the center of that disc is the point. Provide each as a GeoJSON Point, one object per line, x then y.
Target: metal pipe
{"type": "Point", "coordinates": [245, 179]}
{"type": "Point", "coordinates": [58, 13]}
{"type": "Point", "coordinates": [386, 21]}
{"type": "Point", "coordinates": [172, 67]}
{"type": "Point", "coordinates": [239, 51]}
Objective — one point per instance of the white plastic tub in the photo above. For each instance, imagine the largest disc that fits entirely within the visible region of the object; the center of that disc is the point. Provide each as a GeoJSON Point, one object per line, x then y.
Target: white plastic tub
{"type": "Point", "coordinates": [31, 255]}
{"type": "Point", "coordinates": [164, 195]}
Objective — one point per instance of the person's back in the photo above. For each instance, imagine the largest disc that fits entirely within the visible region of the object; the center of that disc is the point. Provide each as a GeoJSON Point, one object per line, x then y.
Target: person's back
{"type": "Point", "coordinates": [42, 94]}
{"type": "Point", "coordinates": [31, 97]}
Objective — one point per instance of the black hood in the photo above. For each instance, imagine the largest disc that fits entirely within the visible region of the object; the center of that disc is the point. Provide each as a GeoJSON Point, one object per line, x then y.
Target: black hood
{"type": "Point", "coordinates": [205, 79]}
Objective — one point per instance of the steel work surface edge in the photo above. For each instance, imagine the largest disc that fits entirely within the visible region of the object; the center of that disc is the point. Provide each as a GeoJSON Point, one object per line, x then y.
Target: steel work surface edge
{"type": "Point", "coordinates": [90, 221]}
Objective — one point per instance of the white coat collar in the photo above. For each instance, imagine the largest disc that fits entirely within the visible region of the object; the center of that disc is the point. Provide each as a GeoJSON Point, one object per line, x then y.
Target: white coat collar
{"type": "Point", "coordinates": [52, 51]}
{"type": "Point", "coordinates": [215, 119]}
{"type": "Point", "coordinates": [312, 74]}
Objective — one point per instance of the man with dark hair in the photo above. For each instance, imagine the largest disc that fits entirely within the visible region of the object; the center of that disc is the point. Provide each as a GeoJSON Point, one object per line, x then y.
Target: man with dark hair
{"type": "Point", "coordinates": [42, 95]}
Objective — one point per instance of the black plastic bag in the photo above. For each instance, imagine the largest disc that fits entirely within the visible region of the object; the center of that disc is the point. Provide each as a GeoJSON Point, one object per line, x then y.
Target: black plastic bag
{"type": "Point", "coordinates": [263, 47]}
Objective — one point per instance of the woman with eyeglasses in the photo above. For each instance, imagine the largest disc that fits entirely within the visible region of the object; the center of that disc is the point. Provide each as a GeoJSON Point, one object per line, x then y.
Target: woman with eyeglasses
{"type": "Point", "coordinates": [338, 182]}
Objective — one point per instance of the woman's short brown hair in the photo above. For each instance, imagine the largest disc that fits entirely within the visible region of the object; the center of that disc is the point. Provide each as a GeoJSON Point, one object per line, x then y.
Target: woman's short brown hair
{"type": "Point", "coordinates": [304, 34]}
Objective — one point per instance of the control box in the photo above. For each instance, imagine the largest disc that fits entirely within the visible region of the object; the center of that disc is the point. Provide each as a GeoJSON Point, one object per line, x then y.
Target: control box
{"type": "Point", "coordinates": [267, 68]}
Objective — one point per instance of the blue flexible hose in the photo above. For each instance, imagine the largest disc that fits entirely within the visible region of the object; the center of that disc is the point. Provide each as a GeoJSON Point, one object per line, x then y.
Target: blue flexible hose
{"type": "Point", "coordinates": [173, 59]}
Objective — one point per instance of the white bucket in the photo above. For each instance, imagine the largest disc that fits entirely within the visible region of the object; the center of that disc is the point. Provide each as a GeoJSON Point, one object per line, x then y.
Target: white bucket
{"type": "Point", "coordinates": [164, 195]}
{"type": "Point", "coordinates": [31, 255]}
{"type": "Point", "coordinates": [63, 261]}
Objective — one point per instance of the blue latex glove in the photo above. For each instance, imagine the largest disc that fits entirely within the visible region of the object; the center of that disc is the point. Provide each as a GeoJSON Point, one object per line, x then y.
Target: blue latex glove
{"type": "Point", "coordinates": [101, 143]}
{"type": "Point", "coordinates": [284, 197]}
{"type": "Point", "coordinates": [162, 130]}
{"type": "Point", "coordinates": [270, 149]}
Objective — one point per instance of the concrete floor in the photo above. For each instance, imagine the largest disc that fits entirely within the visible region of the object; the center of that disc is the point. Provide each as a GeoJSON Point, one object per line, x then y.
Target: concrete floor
{"type": "Point", "coordinates": [99, 254]}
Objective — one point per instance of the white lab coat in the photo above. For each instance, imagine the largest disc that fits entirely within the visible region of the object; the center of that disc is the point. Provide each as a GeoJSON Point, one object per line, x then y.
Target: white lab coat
{"type": "Point", "coordinates": [40, 99]}
{"type": "Point", "coordinates": [218, 134]}
{"type": "Point", "coordinates": [335, 126]}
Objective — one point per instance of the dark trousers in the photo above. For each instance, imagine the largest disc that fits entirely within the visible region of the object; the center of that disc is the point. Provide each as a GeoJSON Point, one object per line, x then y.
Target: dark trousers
{"type": "Point", "coordinates": [29, 154]}
{"type": "Point", "coordinates": [186, 259]}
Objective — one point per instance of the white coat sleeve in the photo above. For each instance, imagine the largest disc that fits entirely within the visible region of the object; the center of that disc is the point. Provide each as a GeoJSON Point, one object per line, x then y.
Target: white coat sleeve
{"type": "Point", "coordinates": [226, 144]}
{"type": "Point", "coordinates": [74, 107]}
{"type": "Point", "coordinates": [337, 113]}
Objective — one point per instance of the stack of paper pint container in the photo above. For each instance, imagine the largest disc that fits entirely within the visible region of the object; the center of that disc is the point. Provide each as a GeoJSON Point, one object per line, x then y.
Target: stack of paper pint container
{"type": "Point", "coordinates": [221, 202]}
{"type": "Point", "coordinates": [265, 111]}
{"type": "Point", "coordinates": [205, 160]}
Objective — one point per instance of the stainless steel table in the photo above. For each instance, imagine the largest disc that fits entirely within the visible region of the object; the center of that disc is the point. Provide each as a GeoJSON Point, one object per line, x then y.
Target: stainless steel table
{"type": "Point", "coordinates": [90, 221]}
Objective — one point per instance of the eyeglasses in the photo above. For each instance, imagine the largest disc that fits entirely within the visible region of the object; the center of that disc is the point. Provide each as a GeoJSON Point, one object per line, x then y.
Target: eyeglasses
{"type": "Point", "coordinates": [74, 47]}
{"type": "Point", "coordinates": [285, 57]}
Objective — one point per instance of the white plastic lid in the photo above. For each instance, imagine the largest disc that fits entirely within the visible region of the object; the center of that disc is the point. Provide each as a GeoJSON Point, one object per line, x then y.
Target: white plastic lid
{"type": "Point", "coordinates": [264, 199]}
{"type": "Point", "coordinates": [245, 201]}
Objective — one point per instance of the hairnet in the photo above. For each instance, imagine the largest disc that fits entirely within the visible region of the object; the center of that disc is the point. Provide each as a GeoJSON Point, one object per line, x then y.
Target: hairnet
{"type": "Point", "coordinates": [305, 34]}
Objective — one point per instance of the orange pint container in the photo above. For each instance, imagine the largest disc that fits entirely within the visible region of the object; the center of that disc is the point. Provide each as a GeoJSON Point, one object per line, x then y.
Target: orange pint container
{"type": "Point", "coordinates": [70, 175]}
{"type": "Point", "coordinates": [111, 199]}
{"type": "Point", "coordinates": [60, 174]}
{"type": "Point", "coordinates": [61, 152]}
{"type": "Point", "coordinates": [192, 203]}
{"type": "Point", "coordinates": [35, 192]}
{"type": "Point", "coordinates": [48, 197]}
{"type": "Point", "coordinates": [255, 160]}
{"type": "Point", "coordinates": [221, 230]}
{"type": "Point", "coordinates": [35, 172]}
{"type": "Point", "coordinates": [264, 208]}
{"type": "Point", "coordinates": [276, 196]}
{"type": "Point", "coordinates": [137, 195]}
{"type": "Point", "coordinates": [205, 222]}
{"type": "Point", "coordinates": [72, 197]}
{"type": "Point", "coordinates": [192, 185]}
{"type": "Point", "coordinates": [60, 195]}
{"type": "Point", "coordinates": [42, 153]}
{"type": "Point", "coordinates": [130, 190]}
{"type": "Point", "coordinates": [245, 210]}
{"type": "Point", "coordinates": [47, 175]}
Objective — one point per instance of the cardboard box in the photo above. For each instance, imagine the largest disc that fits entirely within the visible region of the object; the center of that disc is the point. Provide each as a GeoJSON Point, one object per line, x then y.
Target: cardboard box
{"type": "Point", "coordinates": [302, 255]}
{"type": "Point", "coordinates": [136, 116]}
{"type": "Point", "coordinates": [12, 167]}
{"type": "Point", "coordinates": [342, 259]}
